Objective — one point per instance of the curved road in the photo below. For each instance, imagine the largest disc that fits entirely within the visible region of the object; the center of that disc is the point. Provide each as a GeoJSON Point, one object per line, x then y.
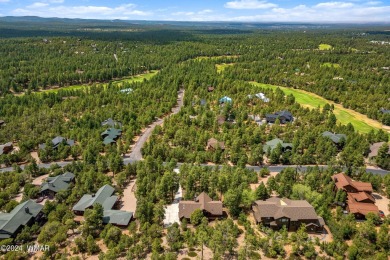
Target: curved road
{"type": "Point", "coordinates": [136, 155]}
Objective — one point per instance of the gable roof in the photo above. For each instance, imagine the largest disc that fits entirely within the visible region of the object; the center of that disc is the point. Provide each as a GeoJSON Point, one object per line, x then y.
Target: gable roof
{"type": "Point", "coordinates": [214, 143]}
{"type": "Point", "coordinates": [274, 142]}
{"type": "Point", "coordinates": [336, 138]}
{"type": "Point", "coordinates": [362, 208]}
{"type": "Point", "coordinates": [343, 180]}
{"type": "Point", "coordinates": [58, 183]}
{"type": "Point", "coordinates": [110, 135]}
{"type": "Point", "coordinates": [103, 196]}
{"type": "Point", "coordinates": [277, 208]}
{"type": "Point", "coordinates": [19, 216]}
{"type": "Point", "coordinates": [284, 113]}
{"type": "Point", "coordinates": [203, 202]}
{"type": "Point", "coordinates": [374, 148]}
{"type": "Point", "coordinates": [360, 196]}
{"type": "Point", "coordinates": [111, 122]}
{"type": "Point", "coordinates": [56, 141]}
{"type": "Point", "coordinates": [117, 217]}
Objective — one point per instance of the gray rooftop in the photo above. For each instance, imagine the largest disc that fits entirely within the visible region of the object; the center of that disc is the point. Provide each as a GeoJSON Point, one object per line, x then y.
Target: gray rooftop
{"type": "Point", "coordinates": [117, 217]}
{"type": "Point", "coordinates": [336, 138]}
{"type": "Point", "coordinates": [111, 122]}
{"type": "Point", "coordinates": [19, 216]}
{"type": "Point", "coordinates": [58, 183]}
{"type": "Point", "coordinates": [56, 141]}
{"type": "Point", "coordinates": [277, 208]}
{"type": "Point", "coordinates": [274, 142]}
{"type": "Point", "coordinates": [103, 196]}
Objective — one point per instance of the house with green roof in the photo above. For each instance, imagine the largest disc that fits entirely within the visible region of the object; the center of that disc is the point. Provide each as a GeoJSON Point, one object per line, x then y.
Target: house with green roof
{"type": "Point", "coordinates": [336, 138]}
{"type": "Point", "coordinates": [105, 197]}
{"type": "Point", "coordinates": [274, 142]}
{"type": "Point", "coordinates": [25, 214]}
{"type": "Point", "coordinates": [111, 135]}
{"type": "Point", "coordinates": [56, 184]}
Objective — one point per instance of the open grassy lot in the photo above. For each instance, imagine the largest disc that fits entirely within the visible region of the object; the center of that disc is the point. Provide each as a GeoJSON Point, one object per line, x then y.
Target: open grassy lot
{"type": "Point", "coordinates": [330, 65]}
{"type": "Point", "coordinates": [325, 47]}
{"type": "Point", "coordinates": [136, 78]}
{"type": "Point", "coordinates": [200, 58]}
{"type": "Point", "coordinates": [221, 67]}
{"type": "Point", "coordinates": [359, 121]}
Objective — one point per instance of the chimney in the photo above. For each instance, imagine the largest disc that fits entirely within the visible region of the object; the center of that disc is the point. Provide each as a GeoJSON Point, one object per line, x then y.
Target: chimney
{"type": "Point", "coordinates": [27, 210]}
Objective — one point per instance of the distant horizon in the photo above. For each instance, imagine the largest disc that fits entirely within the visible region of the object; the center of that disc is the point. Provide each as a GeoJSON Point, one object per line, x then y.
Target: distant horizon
{"type": "Point", "coordinates": [312, 11]}
{"type": "Point", "coordinates": [210, 21]}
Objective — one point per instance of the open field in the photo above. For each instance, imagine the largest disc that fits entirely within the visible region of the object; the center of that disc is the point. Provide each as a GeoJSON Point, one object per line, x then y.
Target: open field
{"type": "Point", "coordinates": [330, 65]}
{"type": "Point", "coordinates": [359, 121]}
{"type": "Point", "coordinates": [200, 58]}
{"type": "Point", "coordinates": [221, 67]}
{"type": "Point", "coordinates": [136, 78]}
{"type": "Point", "coordinates": [325, 47]}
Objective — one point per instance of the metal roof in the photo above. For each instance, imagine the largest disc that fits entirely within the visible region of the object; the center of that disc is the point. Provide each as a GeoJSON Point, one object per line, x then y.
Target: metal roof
{"type": "Point", "coordinates": [58, 183]}
{"type": "Point", "coordinates": [117, 217]}
{"type": "Point", "coordinates": [19, 216]}
{"type": "Point", "coordinates": [103, 194]}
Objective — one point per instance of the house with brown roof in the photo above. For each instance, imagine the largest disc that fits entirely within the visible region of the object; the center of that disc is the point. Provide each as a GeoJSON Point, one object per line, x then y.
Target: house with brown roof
{"type": "Point", "coordinates": [213, 144]}
{"type": "Point", "coordinates": [210, 89]}
{"type": "Point", "coordinates": [276, 213]}
{"type": "Point", "coordinates": [345, 183]}
{"type": "Point", "coordinates": [360, 201]}
{"type": "Point", "coordinates": [210, 208]}
{"type": "Point", "coordinates": [6, 148]}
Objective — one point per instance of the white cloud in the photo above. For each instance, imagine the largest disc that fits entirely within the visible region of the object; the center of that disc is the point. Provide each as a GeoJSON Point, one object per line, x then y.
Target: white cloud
{"type": "Point", "coordinates": [4, 1]}
{"type": "Point", "coordinates": [37, 5]}
{"type": "Point", "coordinates": [249, 4]}
{"type": "Point", "coordinates": [203, 15]}
{"type": "Point", "coordinates": [334, 5]}
{"type": "Point", "coordinates": [373, 3]}
{"type": "Point", "coordinates": [302, 13]}
{"type": "Point", "coordinates": [125, 11]}
{"type": "Point", "coordinates": [55, 1]}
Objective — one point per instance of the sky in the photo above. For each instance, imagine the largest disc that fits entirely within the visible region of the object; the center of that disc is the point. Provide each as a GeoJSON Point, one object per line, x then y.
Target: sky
{"type": "Point", "coordinates": [354, 11]}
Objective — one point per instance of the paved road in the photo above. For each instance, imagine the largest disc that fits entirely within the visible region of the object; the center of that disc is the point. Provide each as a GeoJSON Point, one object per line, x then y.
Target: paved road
{"type": "Point", "coordinates": [276, 168]}
{"type": "Point", "coordinates": [135, 154]}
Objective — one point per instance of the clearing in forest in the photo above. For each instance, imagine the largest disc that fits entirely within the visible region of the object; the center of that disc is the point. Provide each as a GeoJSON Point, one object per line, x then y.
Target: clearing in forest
{"type": "Point", "coordinates": [136, 78]}
{"type": "Point", "coordinates": [325, 47]}
{"type": "Point", "coordinates": [330, 65]}
{"type": "Point", "coordinates": [360, 122]}
{"type": "Point", "coordinates": [221, 67]}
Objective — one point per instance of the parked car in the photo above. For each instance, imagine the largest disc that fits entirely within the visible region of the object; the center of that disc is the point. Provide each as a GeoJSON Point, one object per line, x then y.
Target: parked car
{"type": "Point", "coordinates": [40, 199]}
{"type": "Point", "coordinates": [381, 214]}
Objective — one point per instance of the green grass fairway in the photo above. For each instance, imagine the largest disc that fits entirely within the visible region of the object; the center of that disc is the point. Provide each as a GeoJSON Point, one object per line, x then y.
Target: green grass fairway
{"type": "Point", "coordinates": [223, 66]}
{"type": "Point", "coordinates": [325, 47]}
{"type": "Point", "coordinates": [331, 65]}
{"type": "Point", "coordinates": [136, 78]}
{"type": "Point", "coordinates": [359, 121]}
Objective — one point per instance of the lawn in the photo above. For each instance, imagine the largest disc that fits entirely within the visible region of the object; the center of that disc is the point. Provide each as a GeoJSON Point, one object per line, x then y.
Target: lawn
{"type": "Point", "coordinates": [330, 65]}
{"type": "Point", "coordinates": [325, 47]}
{"type": "Point", "coordinates": [359, 121]}
{"type": "Point", "coordinates": [136, 78]}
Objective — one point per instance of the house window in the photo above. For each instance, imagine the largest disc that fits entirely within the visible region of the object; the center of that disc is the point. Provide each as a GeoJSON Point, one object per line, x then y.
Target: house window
{"type": "Point", "coordinates": [284, 220]}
